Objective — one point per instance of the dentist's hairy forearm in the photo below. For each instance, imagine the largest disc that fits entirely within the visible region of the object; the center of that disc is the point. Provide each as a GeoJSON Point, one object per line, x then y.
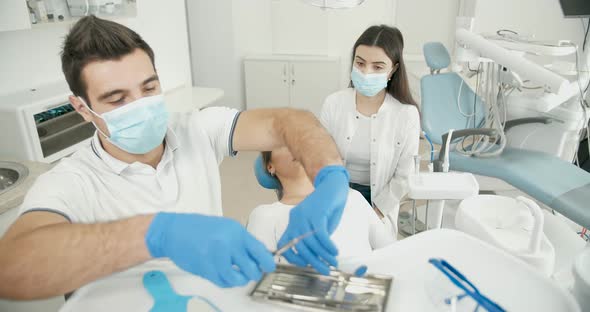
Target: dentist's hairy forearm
{"type": "Point", "coordinates": [299, 130]}
{"type": "Point", "coordinates": [308, 141]}
{"type": "Point", "coordinates": [56, 258]}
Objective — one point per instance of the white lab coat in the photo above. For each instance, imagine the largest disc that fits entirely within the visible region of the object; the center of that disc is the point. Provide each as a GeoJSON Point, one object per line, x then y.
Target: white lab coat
{"type": "Point", "coordinates": [395, 135]}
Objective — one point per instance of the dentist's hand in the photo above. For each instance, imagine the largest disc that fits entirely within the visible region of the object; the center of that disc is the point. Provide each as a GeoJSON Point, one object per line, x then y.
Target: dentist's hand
{"type": "Point", "coordinates": [215, 248]}
{"type": "Point", "coordinates": [319, 212]}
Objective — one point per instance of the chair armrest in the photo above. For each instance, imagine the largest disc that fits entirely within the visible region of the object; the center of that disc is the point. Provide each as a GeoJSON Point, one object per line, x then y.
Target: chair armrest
{"type": "Point", "coordinates": [521, 121]}
{"type": "Point", "coordinates": [459, 134]}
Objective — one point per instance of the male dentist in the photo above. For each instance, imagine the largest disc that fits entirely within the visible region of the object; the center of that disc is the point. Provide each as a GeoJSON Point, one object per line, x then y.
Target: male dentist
{"type": "Point", "coordinates": [148, 185]}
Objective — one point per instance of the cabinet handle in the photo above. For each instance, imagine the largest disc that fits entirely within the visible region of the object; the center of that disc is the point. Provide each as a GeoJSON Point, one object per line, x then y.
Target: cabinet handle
{"type": "Point", "coordinates": [285, 73]}
{"type": "Point", "coordinates": [293, 81]}
{"type": "Point", "coordinates": [293, 69]}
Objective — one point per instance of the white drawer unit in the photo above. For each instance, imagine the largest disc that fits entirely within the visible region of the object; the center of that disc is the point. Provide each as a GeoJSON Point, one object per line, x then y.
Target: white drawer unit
{"type": "Point", "coordinates": [294, 81]}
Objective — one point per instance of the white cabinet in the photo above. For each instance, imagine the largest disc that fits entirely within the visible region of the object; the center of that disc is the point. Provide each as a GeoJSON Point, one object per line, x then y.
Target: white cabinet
{"type": "Point", "coordinates": [290, 81]}
{"type": "Point", "coordinates": [267, 83]}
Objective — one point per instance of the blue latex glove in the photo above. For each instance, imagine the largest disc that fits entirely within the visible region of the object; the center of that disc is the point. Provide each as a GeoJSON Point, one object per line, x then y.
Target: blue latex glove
{"type": "Point", "coordinates": [215, 248]}
{"type": "Point", "coordinates": [319, 212]}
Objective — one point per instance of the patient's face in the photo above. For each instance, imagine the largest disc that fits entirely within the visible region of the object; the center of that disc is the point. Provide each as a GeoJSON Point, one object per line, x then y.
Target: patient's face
{"type": "Point", "coordinates": [283, 164]}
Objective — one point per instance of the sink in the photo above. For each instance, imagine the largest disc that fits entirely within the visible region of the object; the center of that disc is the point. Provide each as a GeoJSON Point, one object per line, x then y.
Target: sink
{"type": "Point", "coordinates": [11, 175]}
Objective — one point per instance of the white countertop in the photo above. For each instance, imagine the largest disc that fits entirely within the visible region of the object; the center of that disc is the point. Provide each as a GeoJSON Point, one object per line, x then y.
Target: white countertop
{"type": "Point", "coordinates": [187, 98]}
{"type": "Point", "coordinates": [14, 197]}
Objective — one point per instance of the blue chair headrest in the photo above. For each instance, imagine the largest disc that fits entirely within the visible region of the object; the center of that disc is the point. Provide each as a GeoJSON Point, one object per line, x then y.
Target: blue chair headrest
{"type": "Point", "coordinates": [436, 55]}
{"type": "Point", "coordinates": [264, 178]}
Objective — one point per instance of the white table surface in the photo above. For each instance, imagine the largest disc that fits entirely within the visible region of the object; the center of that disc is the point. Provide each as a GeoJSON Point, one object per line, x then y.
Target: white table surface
{"type": "Point", "coordinates": [187, 98]}
{"type": "Point", "coordinates": [501, 277]}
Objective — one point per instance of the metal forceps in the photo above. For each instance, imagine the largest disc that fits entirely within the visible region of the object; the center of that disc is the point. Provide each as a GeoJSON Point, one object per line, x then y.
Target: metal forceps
{"type": "Point", "coordinates": [291, 243]}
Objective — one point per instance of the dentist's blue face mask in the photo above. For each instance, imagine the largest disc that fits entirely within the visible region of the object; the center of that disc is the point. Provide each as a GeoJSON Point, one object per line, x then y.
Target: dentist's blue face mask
{"type": "Point", "coordinates": [370, 84]}
{"type": "Point", "coordinates": [137, 127]}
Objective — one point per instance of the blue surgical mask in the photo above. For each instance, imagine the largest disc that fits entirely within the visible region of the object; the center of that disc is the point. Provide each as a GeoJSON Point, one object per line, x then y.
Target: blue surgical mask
{"type": "Point", "coordinates": [137, 127]}
{"type": "Point", "coordinates": [370, 84]}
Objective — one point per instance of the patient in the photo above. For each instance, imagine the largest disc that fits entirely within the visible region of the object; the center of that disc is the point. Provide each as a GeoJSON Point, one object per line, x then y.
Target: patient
{"type": "Point", "coordinates": [360, 229]}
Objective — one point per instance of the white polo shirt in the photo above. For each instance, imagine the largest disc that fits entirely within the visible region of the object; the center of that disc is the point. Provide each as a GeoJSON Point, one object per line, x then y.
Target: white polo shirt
{"type": "Point", "coordinates": [92, 186]}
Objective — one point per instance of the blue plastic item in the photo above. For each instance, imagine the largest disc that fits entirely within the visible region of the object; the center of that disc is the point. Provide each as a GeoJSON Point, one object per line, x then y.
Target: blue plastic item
{"type": "Point", "coordinates": [165, 298]}
{"type": "Point", "coordinates": [459, 280]}
{"type": "Point", "coordinates": [264, 178]}
{"type": "Point", "coordinates": [431, 146]}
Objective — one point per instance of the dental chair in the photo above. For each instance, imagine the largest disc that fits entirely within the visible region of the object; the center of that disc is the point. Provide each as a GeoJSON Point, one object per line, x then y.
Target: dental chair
{"type": "Point", "coordinates": [556, 183]}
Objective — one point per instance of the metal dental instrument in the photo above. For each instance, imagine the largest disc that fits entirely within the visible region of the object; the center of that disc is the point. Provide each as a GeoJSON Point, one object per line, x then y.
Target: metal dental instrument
{"type": "Point", "coordinates": [359, 271]}
{"type": "Point", "coordinates": [291, 243]}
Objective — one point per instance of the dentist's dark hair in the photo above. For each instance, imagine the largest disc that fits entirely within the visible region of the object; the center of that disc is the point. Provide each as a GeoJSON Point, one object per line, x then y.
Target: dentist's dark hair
{"type": "Point", "coordinates": [389, 39]}
{"type": "Point", "coordinates": [92, 39]}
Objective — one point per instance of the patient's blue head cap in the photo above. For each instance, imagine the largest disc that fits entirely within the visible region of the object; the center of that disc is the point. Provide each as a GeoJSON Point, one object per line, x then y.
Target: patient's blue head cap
{"type": "Point", "coordinates": [264, 178]}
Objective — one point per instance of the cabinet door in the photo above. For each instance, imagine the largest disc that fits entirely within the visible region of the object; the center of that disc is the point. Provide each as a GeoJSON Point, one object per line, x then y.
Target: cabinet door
{"type": "Point", "coordinates": [311, 82]}
{"type": "Point", "coordinates": [267, 83]}
{"type": "Point", "coordinates": [14, 15]}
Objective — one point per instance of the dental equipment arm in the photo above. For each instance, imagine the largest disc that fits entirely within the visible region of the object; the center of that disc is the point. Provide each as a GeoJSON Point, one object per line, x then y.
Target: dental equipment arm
{"type": "Point", "coordinates": [557, 89]}
{"type": "Point", "coordinates": [550, 81]}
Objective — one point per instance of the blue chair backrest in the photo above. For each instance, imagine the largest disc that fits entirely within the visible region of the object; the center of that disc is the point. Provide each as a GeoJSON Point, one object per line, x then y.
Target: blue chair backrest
{"type": "Point", "coordinates": [439, 95]}
{"type": "Point", "coordinates": [264, 178]}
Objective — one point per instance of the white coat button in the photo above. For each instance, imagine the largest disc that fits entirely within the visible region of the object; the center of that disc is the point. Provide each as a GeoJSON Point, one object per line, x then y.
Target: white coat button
{"type": "Point", "coordinates": [374, 140]}
{"type": "Point", "coordinates": [373, 164]}
{"type": "Point", "coordinates": [348, 138]}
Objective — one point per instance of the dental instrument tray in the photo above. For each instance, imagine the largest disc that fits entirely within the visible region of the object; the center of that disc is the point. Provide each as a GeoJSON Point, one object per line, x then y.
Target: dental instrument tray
{"type": "Point", "coordinates": [305, 289]}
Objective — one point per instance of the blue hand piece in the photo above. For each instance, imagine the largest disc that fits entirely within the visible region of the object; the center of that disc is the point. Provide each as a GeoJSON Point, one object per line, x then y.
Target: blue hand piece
{"type": "Point", "coordinates": [319, 212]}
{"type": "Point", "coordinates": [218, 249]}
{"type": "Point", "coordinates": [165, 298]}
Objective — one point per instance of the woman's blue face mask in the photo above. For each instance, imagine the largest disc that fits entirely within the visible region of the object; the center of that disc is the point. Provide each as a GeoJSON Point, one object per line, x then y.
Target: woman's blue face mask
{"type": "Point", "coordinates": [368, 84]}
{"type": "Point", "coordinates": [137, 127]}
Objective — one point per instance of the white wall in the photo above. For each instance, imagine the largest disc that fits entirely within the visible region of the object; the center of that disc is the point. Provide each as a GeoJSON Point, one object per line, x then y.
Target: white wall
{"type": "Point", "coordinates": [253, 35]}
{"type": "Point", "coordinates": [422, 21]}
{"type": "Point", "coordinates": [299, 28]}
{"type": "Point", "coordinates": [224, 32]}
{"type": "Point", "coordinates": [31, 57]}
{"type": "Point", "coordinates": [221, 33]}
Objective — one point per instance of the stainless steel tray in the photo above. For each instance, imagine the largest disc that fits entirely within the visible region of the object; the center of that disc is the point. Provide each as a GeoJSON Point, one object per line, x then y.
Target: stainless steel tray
{"type": "Point", "coordinates": [308, 290]}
